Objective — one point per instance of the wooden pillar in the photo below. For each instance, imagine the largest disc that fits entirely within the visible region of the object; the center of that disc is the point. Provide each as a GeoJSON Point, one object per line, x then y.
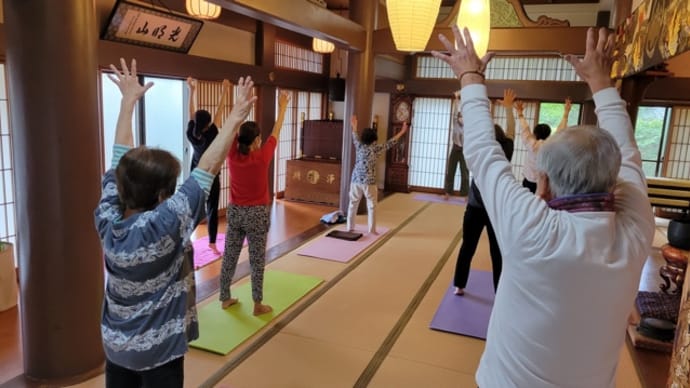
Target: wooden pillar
{"type": "Point", "coordinates": [588, 116]}
{"type": "Point", "coordinates": [359, 90]}
{"type": "Point", "coordinates": [266, 114]}
{"type": "Point", "coordinates": [632, 91]}
{"type": "Point", "coordinates": [621, 10]}
{"type": "Point", "coordinates": [52, 79]}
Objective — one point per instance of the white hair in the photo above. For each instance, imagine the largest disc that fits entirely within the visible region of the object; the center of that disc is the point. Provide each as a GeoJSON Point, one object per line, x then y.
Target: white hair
{"type": "Point", "coordinates": [580, 160]}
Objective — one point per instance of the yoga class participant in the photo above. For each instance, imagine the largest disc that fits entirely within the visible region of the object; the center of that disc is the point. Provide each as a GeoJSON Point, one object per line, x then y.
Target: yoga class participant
{"type": "Point", "coordinates": [573, 252]}
{"type": "Point", "coordinates": [475, 217]}
{"type": "Point", "coordinates": [201, 131]}
{"type": "Point", "coordinates": [363, 182]}
{"type": "Point", "coordinates": [145, 225]}
{"type": "Point", "coordinates": [249, 212]}
{"type": "Point", "coordinates": [534, 140]}
{"type": "Point", "coordinates": [455, 156]}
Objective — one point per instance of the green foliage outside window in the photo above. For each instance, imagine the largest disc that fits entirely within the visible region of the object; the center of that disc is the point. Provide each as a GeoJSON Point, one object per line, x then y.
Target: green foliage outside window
{"type": "Point", "coordinates": [552, 112]}
{"type": "Point", "coordinates": [649, 130]}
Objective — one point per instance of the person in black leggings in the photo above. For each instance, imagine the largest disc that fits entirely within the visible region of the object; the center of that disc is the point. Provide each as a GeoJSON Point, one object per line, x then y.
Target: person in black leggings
{"type": "Point", "coordinates": [201, 130]}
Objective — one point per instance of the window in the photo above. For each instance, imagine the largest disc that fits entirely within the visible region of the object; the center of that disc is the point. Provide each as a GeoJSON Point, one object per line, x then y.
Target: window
{"type": "Point", "coordinates": [292, 57]}
{"type": "Point", "coordinates": [677, 162]}
{"type": "Point", "coordinates": [302, 106]}
{"type": "Point", "coordinates": [506, 68]}
{"type": "Point", "coordinates": [8, 232]}
{"type": "Point", "coordinates": [651, 128]}
{"type": "Point", "coordinates": [430, 142]}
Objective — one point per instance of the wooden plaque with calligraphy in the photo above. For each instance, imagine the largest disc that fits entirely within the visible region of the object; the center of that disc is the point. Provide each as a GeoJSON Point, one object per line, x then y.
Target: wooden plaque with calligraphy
{"type": "Point", "coordinates": [149, 27]}
{"type": "Point", "coordinates": [315, 181]}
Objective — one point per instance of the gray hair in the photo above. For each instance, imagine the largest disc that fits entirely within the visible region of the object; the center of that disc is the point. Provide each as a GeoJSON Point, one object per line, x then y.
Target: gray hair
{"type": "Point", "coordinates": [580, 160]}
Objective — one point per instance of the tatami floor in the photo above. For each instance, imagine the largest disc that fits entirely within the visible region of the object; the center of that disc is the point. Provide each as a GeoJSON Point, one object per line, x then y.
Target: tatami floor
{"type": "Point", "coordinates": [367, 324]}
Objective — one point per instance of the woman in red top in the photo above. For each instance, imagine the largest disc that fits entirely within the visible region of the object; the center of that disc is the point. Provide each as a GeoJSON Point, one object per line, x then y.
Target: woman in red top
{"type": "Point", "coordinates": [248, 213]}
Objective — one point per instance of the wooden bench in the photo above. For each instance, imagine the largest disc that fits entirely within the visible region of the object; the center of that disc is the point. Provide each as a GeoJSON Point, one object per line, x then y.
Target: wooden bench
{"type": "Point", "coordinates": [669, 193]}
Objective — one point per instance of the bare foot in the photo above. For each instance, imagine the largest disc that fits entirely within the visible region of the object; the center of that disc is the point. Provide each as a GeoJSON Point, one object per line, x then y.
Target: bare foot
{"type": "Point", "coordinates": [445, 196]}
{"type": "Point", "coordinates": [375, 233]}
{"type": "Point", "coordinates": [260, 309]}
{"type": "Point", "coordinates": [229, 302]}
{"type": "Point", "coordinates": [459, 291]}
{"type": "Point", "coordinates": [213, 248]}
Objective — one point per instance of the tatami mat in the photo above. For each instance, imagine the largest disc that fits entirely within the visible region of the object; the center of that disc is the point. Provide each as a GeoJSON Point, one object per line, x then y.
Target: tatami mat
{"type": "Point", "coordinates": [337, 333]}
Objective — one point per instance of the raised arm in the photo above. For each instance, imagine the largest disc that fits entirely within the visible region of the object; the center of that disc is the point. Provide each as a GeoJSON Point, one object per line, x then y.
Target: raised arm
{"type": "Point", "coordinates": [527, 136]}
{"type": "Point", "coordinates": [213, 158]}
{"type": "Point", "coordinates": [403, 131]}
{"type": "Point", "coordinates": [595, 69]}
{"type": "Point", "coordinates": [566, 112]}
{"type": "Point", "coordinates": [283, 99]}
{"type": "Point", "coordinates": [507, 102]}
{"type": "Point", "coordinates": [191, 84]}
{"type": "Point", "coordinates": [353, 127]}
{"type": "Point", "coordinates": [128, 83]}
{"type": "Point", "coordinates": [218, 116]}
{"type": "Point", "coordinates": [454, 106]}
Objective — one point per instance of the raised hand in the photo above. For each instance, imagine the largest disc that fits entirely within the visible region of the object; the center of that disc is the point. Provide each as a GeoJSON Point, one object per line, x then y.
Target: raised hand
{"type": "Point", "coordinates": [508, 98]}
{"type": "Point", "coordinates": [283, 98]}
{"type": "Point", "coordinates": [568, 104]}
{"type": "Point", "coordinates": [519, 107]}
{"type": "Point", "coordinates": [226, 84]}
{"type": "Point", "coordinates": [353, 123]}
{"type": "Point", "coordinates": [462, 57]}
{"type": "Point", "coordinates": [405, 128]}
{"type": "Point", "coordinates": [191, 83]}
{"type": "Point", "coordinates": [244, 101]}
{"type": "Point", "coordinates": [127, 81]}
{"type": "Point", "coordinates": [595, 67]}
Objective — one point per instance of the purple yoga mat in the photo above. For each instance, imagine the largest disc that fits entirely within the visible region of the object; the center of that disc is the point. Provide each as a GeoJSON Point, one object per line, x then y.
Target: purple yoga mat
{"type": "Point", "coordinates": [439, 199]}
{"type": "Point", "coordinates": [330, 248]}
{"type": "Point", "coordinates": [467, 314]}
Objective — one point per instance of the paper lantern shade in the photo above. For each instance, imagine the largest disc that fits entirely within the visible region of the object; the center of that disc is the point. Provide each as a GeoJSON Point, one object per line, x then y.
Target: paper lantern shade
{"type": "Point", "coordinates": [202, 9]}
{"type": "Point", "coordinates": [476, 16]}
{"type": "Point", "coordinates": [322, 46]}
{"type": "Point", "coordinates": [412, 22]}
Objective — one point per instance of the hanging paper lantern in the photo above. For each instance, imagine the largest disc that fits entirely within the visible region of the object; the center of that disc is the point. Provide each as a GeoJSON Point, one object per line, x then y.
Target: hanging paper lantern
{"type": "Point", "coordinates": [412, 22]}
{"type": "Point", "coordinates": [476, 16]}
{"type": "Point", "coordinates": [202, 9]}
{"type": "Point", "coordinates": [322, 46]}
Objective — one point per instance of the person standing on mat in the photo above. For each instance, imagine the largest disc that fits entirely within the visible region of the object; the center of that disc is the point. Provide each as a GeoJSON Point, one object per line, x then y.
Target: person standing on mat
{"type": "Point", "coordinates": [455, 156]}
{"type": "Point", "coordinates": [363, 182]}
{"type": "Point", "coordinates": [249, 212]}
{"type": "Point", "coordinates": [575, 251]}
{"type": "Point", "coordinates": [475, 215]}
{"type": "Point", "coordinates": [201, 131]}
{"type": "Point", "coordinates": [145, 227]}
{"type": "Point", "coordinates": [534, 140]}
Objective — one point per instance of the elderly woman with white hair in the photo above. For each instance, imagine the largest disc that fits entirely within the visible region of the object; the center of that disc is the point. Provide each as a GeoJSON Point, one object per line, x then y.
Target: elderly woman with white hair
{"type": "Point", "coordinates": [574, 252]}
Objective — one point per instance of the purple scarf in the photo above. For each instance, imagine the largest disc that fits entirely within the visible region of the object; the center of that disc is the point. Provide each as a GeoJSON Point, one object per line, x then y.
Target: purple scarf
{"type": "Point", "coordinates": [595, 202]}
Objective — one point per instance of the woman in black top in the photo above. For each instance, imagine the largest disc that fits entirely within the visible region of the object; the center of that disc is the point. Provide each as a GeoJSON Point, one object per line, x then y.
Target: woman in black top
{"type": "Point", "coordinates": [201, 130]}
{"type": "Point", "coordinates": [476, 219]}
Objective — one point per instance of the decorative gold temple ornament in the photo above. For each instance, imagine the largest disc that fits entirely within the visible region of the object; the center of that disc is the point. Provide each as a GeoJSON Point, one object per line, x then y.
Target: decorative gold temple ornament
{"type": "Point", "coordinates": [476, 16]}
{"type": "Point", "coordinates": [322, 46]}
{"type": "Point", "coordinates": [412, 22]}
{"type": "Point", "coordinates": [202, 9]}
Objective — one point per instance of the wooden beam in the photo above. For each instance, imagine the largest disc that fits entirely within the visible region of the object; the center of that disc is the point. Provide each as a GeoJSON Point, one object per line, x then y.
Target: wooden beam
{"type": "Point", "coordinates": [303, 17]}
{"type": "Point", "coordinates": [550, 91]}
{"type": "Point", "coordinates": [532, 40]}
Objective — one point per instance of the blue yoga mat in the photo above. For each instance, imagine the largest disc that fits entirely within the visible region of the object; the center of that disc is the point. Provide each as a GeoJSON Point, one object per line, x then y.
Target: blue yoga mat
{"type": "Point", "coordinates": [467, 314]}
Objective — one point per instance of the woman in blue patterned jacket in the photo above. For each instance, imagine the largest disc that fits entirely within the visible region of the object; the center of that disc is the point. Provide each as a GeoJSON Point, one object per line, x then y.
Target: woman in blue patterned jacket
{"type": "Point", "coordinates": [149, 312]}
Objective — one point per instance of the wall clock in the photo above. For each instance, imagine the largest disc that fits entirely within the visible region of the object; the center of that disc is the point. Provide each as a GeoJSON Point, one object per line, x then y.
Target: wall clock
{"type": "Point", "coordinates": [402, 112]}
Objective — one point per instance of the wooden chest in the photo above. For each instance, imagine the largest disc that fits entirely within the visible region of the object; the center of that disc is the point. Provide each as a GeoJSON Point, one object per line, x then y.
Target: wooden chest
{"type": "Point", "coordinates": [315, 181]}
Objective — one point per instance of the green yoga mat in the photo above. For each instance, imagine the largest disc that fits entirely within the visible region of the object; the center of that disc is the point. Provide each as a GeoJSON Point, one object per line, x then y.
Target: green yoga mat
{"type": "Point", "coordinates": [220, 330]}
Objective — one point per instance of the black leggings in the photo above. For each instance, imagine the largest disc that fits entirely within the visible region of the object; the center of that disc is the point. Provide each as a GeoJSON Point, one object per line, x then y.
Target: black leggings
{"type": "Point", "coordinates": [212, 210]}
{"type": "Point", "coordinates": [168, 375]}
{"type": "Point", "coordinates": [472, 225]}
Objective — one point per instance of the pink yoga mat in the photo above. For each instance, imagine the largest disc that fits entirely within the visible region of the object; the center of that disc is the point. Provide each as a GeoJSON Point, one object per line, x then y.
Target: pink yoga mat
{"type": "Point", "coordinates": [439, 199]}
{"type": "Point", "coordinates": [203, 255]}
{"type": "Point", "coordinates": [330, 248]}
